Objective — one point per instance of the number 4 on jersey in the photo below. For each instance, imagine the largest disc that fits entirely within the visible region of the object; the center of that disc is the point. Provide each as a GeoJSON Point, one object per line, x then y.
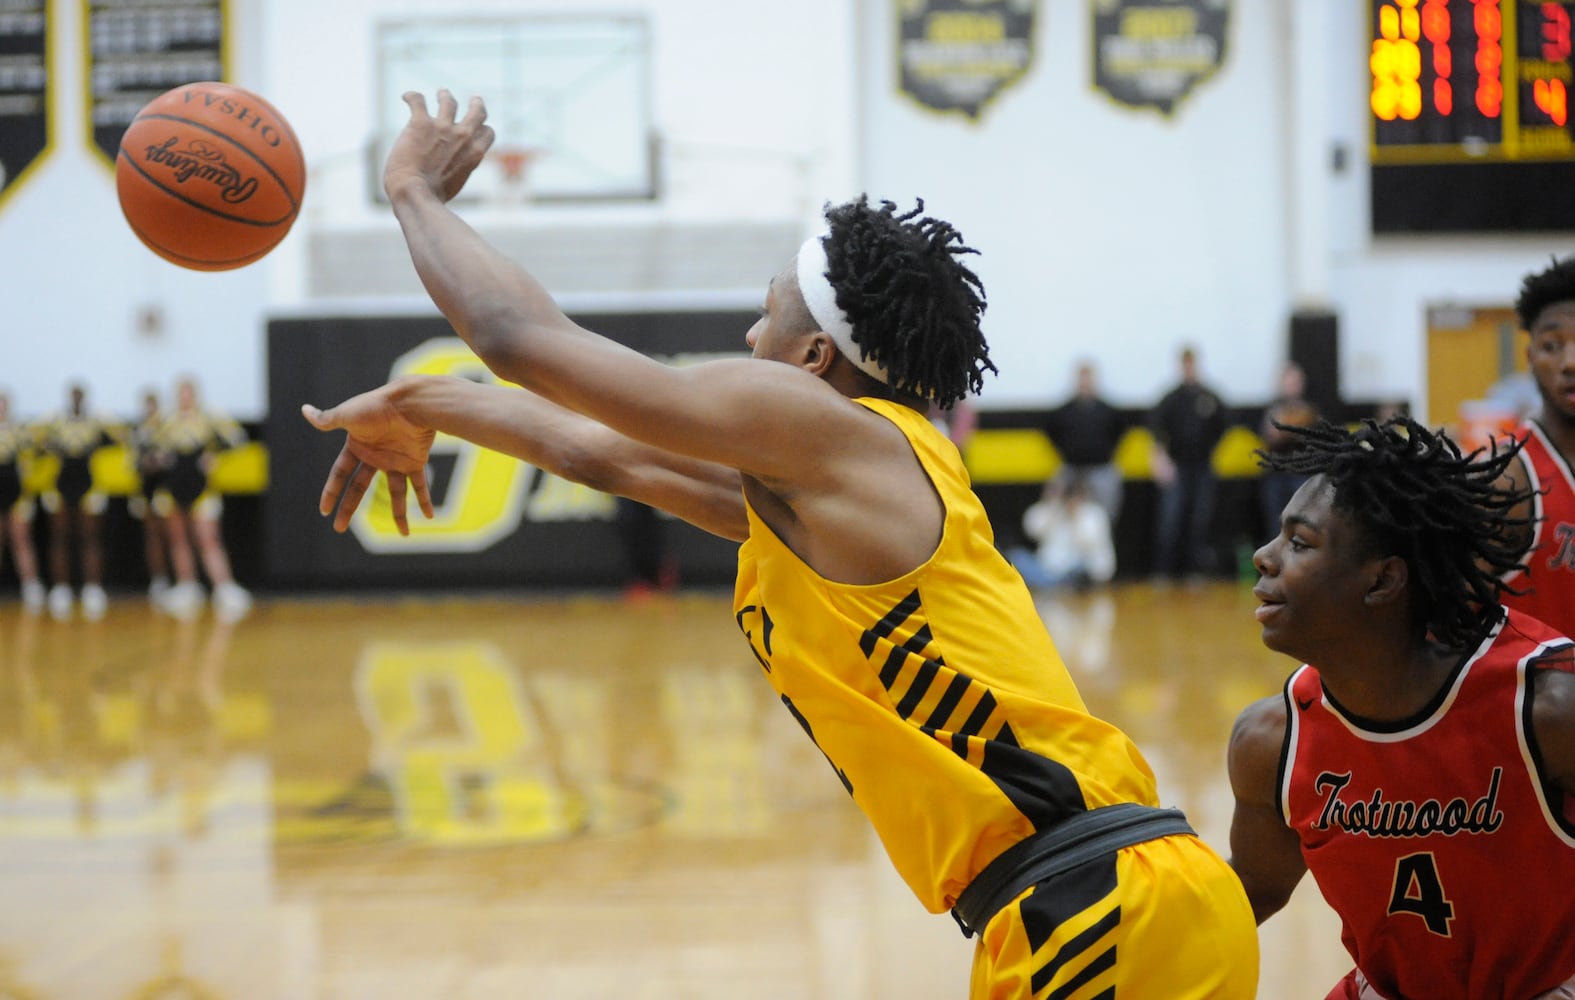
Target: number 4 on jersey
{"type": "Point", "coordinates": [1419, 890]}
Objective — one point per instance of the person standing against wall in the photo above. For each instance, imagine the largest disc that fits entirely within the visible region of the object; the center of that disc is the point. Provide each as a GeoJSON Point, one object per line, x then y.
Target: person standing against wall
{"type": "Point", "coordinates": [1086, 431]}
{"type": "Point", "coordinates": [1290, 408]}
{"type": "Point", "coordinates": [16, 507]}
{"type": "Point", "coordinates": [75, 505]}
{"type": "Point", "coordinates": [1187, 424]}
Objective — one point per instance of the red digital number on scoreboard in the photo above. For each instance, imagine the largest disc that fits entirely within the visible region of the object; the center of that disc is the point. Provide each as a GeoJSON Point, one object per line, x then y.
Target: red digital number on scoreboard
{"type": "Point", "coordinates": [1471, 79]}
{"type": "Point", "coordinates": [1549, 93]}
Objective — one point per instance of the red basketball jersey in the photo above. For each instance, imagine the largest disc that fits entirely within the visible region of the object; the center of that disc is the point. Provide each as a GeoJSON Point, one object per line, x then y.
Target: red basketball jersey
{"type": "Point", "coordinates": [1549, 579]}
{"type": "Point", "coordinates": [1433, 838]}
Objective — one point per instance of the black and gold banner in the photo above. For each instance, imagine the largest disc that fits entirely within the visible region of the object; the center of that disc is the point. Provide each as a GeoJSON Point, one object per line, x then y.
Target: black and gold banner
{"type": "Point", "coordinates": [137, 50]}
{"type": "Point", "coordinates": [1152, 53]}
{"type": "Point", "coordinates": [957, 55]}
{"type": "Point", "coordinates": [24, 89]}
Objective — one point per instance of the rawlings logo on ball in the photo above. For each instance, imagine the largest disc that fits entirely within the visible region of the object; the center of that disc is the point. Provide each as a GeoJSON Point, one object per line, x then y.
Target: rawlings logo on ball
{"type": "Point", "coordinates": [202, 161]}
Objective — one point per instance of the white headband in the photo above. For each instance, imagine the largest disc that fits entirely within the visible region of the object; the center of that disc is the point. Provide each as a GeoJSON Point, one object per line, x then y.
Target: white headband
{"type": "Point", "coordinates": [821, 299]}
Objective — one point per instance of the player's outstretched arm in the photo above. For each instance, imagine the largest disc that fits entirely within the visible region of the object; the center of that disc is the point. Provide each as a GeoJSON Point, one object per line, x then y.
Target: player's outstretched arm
{"type": "Point", "coordinates": [1265, 853]}
{"type": "Point", "coordinates": [742, 414]}
{"type": "Point", "coordinates": [391, 429]}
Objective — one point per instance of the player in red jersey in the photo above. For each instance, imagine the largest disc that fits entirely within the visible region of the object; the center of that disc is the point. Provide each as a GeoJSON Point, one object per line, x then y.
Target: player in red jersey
{"type": "Point", "coordinates": [1421, 763]}
{"type": "Point", "coordinates": [1545, 587]}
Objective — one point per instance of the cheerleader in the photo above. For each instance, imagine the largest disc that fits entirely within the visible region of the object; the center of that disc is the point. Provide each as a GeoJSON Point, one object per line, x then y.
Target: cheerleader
{"type": "Point", "coordinates": [75, 506]}
{"type": "Point", "coordinates": [192, 438]}
{"type": "Point", "coordinates": [152, 464]}
{"type": "Point", "coordinates": [16, 507]}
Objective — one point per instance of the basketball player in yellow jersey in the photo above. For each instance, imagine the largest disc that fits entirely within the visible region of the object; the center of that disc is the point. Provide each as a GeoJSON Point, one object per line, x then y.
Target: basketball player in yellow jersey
{"type": "Point", "coordinates": [869, 587]}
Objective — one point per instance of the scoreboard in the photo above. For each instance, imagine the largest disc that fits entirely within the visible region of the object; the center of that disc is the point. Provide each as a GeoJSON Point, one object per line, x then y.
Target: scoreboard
{"type": "Point", "coordinates": [1470, 115]}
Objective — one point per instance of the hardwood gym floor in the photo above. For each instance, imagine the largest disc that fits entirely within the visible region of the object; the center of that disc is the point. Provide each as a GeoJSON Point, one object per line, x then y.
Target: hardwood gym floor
{"type": "Point", "coordinates": [525, 796]}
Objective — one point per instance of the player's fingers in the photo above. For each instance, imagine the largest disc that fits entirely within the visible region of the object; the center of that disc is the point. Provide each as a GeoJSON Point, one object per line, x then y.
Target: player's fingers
{"type": "Point", "coordinates": [447, 106]}
{"type": "Point", "coordinates": [396, 500]}
{"type": "Point", "coordinates": [355, 489]}
{"type": "Point", "coordinates": [343, 466]}
{"type": "Point", "coordinates": [482, 140]}
{"type": "Point", "coordinates": [475, 112]}
{"type": "Point", "coordinates": [423, 494]}
{"type": "Point", "coordinates": [321, 419]}
{"type": "Point", "coordinates": [418, 104]}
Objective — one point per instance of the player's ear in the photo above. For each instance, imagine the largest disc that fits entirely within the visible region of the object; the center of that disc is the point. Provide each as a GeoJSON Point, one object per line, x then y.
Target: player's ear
{"type": "Point", "coordinates": [1387, 581]}
{"type": "Point", "coordinates": [818, 353]}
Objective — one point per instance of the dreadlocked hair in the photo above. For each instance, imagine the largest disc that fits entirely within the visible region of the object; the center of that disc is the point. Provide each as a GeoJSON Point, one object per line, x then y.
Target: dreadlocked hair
{"type": "Point", "coordinates": [1555, 283]}
{"type": "Point", "coordinates": [914, 307]}
{"type": "Point", "coordinates": [1413, 494]}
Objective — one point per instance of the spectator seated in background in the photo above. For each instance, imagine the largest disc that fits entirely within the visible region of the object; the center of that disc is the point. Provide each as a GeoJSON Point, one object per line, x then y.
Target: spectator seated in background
{"type": "Point", "coordinates": [1071, 535]}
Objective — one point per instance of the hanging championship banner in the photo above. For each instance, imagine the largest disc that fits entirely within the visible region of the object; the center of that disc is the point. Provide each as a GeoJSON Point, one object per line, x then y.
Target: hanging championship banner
{"type": "Point", "coordinates": [137, 50]}
{"type": "Point", "coordinates": [1151, 53]}
{"type": "Point", "coordinates": [957, 55]}
{"type": "Point", "coordinates": [24, 89]}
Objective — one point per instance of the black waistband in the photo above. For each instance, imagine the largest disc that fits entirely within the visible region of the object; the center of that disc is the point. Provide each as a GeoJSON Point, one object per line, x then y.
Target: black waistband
{"type": "Point", "coordinates": [1072, 842]}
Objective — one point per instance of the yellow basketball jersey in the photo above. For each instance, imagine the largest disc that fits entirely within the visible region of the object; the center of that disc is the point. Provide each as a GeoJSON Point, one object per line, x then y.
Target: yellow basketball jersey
{"type": "Point", "coordinates": [938, 697]}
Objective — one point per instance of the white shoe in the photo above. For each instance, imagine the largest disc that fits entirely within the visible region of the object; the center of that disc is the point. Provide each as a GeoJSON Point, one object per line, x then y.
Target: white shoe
{"type": "Point", "coordinates": [94, 602]}
{"type": "Point", "coordinates": [157, 588]}
{"type": "Point", "coordinates": [183, 601]}
{"type": "Point", "coordinates": [60, 602]}
{"type": "Point", "coordinates": [32, 596]}
{"type": "Point", "coordinates": [231, 601]}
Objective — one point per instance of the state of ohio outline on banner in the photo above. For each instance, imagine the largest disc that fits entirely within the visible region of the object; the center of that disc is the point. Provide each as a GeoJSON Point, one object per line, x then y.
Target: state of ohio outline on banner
{"type": "Point", "coordinates": [1152, 53]}
{"type": "Point", "coordinates": [958, 55]}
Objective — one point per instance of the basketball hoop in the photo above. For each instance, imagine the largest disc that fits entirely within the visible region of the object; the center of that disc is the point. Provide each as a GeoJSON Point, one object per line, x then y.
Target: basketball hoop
{"type": "Point", "coordinates": [514, 164]}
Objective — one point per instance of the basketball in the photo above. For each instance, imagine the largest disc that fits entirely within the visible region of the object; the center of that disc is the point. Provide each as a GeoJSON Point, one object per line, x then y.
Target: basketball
{"type": "Point", "coordinates": [210, 176]}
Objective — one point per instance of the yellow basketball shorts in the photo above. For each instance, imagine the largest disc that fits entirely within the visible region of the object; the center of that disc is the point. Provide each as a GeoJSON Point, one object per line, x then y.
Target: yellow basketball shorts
{"type": "Point", "coordinates": [1163, 919]}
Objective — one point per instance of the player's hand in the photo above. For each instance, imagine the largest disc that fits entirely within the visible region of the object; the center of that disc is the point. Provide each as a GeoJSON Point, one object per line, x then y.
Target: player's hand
{"type": "Point", "coordinates": [381, 438]}
{"type": "Point", "coordinates": [435, 151]}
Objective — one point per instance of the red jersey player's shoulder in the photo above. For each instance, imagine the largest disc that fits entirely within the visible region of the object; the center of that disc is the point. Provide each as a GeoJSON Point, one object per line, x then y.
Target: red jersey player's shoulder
{"type": "Point", "coordinates": [1257, 743]}
{"type": "Point", "coordinates": [1535, 629]}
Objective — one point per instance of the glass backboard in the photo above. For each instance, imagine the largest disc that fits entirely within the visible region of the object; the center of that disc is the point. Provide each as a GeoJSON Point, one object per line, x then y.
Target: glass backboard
{"type": "Point", "coordinates": [570, 94]}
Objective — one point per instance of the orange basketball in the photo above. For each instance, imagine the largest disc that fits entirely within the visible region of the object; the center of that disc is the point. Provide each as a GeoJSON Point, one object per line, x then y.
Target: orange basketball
{"type": "Point", "coordinates": [210, 176]}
